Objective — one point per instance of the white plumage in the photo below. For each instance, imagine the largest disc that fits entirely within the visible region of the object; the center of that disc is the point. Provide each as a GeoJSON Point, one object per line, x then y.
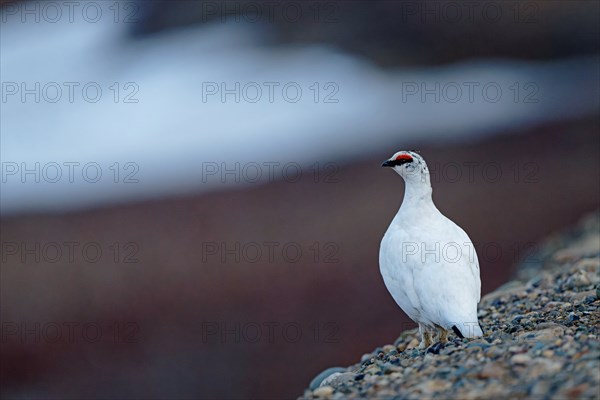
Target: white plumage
{"type": "Point", "coordinates": [428, 263]}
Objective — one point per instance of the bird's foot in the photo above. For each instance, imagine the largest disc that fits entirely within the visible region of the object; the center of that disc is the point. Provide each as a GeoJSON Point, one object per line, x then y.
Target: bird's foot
{"type": "Point", "coordinates": [443, 337]}
{"type": "Point", "coordinates": [425, 341]}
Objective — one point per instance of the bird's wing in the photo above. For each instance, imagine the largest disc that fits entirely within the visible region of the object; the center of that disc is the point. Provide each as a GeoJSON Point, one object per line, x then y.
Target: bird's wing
{"type": "Point", "coordinates": [472, 260]}
{"type": "Point", "coordinates": [447, 292]}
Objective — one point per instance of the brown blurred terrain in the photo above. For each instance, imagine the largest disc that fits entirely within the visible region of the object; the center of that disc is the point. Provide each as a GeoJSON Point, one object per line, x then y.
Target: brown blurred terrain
{"type": "Point", "coordinates": [160, 316]}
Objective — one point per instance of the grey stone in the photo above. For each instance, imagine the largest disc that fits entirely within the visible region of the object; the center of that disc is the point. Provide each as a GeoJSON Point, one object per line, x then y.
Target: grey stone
{"type": "Point", "coordinates": [316, 382]}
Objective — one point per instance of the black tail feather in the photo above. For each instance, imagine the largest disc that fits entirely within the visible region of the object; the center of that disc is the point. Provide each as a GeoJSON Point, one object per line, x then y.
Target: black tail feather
{"type": "Point", "coordinates": [457, 331]}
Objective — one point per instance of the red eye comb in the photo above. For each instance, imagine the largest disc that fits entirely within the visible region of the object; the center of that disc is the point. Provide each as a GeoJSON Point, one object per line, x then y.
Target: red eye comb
{"type": "Point", "coordinates": [404, 157]}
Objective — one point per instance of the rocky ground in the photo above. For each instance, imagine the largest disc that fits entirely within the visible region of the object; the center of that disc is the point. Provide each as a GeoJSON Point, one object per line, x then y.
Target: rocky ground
{"type": "Point", "coordinates": [541, 339]}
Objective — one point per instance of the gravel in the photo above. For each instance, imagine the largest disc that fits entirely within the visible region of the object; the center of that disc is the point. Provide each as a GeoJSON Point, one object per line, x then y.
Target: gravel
{"type": "Point", "coordinates": [540, 339]}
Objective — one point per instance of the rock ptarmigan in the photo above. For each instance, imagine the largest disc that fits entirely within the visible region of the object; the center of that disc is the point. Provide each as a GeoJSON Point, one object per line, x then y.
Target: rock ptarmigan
{"type": "Point", "coordinates": [428, 263]}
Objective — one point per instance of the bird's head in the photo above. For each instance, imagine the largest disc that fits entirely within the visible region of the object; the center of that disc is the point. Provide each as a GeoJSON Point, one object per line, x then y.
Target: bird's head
{"type": "Point", "coordinates": [410, 166]}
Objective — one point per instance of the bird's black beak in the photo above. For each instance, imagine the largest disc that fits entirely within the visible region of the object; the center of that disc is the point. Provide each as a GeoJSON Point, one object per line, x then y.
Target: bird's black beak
{"type": "Point", "coordinates": [387, 163]}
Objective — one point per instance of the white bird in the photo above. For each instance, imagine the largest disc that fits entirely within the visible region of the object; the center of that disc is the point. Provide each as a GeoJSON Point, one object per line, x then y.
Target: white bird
{"type": "Point", "coordinates": [428, 263]}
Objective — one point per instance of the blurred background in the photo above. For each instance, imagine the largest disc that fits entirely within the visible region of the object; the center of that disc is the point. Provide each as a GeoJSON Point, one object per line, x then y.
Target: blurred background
{"type": "Point", "coordinates": [192, 200]}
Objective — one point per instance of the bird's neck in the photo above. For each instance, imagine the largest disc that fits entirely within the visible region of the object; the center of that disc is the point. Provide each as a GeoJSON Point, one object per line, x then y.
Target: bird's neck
{"type": "Point", "coordinates": [418, 194]}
